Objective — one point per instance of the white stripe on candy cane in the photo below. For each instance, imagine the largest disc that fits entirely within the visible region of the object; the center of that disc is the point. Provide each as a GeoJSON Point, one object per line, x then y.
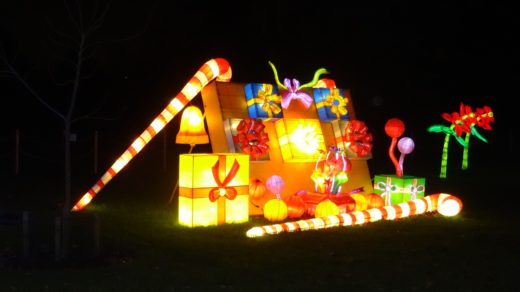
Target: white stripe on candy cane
{"type": "Point", "coordinates": [445, 204]}
{"type": "Point", "coordinates": [218, 69]}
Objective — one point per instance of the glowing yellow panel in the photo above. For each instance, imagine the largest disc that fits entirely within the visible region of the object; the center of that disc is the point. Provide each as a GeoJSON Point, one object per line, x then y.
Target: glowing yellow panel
{"type": "Point", "coordinates": [197, 181]}
{"type": "Point", "coordinates": [301, 140]}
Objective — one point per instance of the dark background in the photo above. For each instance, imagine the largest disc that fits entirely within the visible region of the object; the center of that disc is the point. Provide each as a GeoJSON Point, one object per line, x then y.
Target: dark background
{"type": "Point", "coordinates": [412, 61]}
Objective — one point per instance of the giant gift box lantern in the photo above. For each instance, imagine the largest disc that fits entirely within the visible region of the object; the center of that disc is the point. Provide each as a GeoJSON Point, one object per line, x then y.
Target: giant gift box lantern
{"type": "Point", "coordinates": [213, 189]}
{"type": "Point", "coordinates": [293, 146]}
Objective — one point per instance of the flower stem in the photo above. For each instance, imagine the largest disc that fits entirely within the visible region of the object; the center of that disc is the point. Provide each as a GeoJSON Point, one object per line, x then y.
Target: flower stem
{"type": "Point", "coordinates": [444, 161]}
{"type": "Point", "coordinates": [465, 153]}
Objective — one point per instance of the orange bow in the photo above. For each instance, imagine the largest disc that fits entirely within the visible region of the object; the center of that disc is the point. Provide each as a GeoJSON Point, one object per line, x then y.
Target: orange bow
{"type": "Point", "coordinates": [222, 190]}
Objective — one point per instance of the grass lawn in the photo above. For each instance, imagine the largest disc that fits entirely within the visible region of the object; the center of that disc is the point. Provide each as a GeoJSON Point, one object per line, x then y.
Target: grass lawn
{"type": "Point", "coordinates": [144, 249]}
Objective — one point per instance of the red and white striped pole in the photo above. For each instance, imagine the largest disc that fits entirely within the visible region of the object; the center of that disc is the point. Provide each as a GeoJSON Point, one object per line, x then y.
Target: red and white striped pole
{"type": "Point", "coordinates": [215, 68]}
{"type": "Point", "coordinates": [445, 204]}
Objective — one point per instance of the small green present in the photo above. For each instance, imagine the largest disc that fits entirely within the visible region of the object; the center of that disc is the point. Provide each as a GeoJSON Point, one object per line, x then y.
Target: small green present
{"type": "Point", "coordinates": [396, 190]}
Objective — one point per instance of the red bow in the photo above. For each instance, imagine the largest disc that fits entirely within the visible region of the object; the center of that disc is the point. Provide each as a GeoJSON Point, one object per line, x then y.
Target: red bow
{"type": "Point", "coordinates": [360, 140]}
{"type": "Point", "coordinates": [252, 138]}
{"type": "Point", "coordinates": [222, 190]}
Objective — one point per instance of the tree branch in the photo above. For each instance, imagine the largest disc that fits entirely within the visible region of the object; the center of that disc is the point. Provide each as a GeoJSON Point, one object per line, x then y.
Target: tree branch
{"type": "Point", "coordinates": [12, 72]}
{"type": "Point", "coordinates": [129, 37]}
{"type": "Point", "coordinates": [92, 117]}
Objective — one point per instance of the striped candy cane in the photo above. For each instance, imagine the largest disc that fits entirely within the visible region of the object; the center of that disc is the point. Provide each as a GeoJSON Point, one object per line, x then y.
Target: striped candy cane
{"type": "Point", "coordinates": [445, 204]}
{"type": "Point", "coordinates": [215, 68]}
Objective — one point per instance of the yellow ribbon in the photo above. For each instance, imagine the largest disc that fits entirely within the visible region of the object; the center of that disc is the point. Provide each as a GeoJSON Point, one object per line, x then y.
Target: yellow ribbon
{"type": "Point", "coordinates": [269, 101]}
{"type": "Point", "coordinates": [337, 103]}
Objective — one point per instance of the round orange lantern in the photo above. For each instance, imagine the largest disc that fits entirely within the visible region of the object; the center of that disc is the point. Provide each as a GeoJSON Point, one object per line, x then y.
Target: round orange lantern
{"type": "Point", "coordinates": [326, 208]}
{"type": "Point", "coordinates": [295, 206]}
{"type": "Point", "coordinates": [374, 201]}
{"type": "Point", "coordinates": [257, 189]}
{"type": "Point", "coordinates": [361, 202]}
{"type": "Point", "coordinates": [275, 210]}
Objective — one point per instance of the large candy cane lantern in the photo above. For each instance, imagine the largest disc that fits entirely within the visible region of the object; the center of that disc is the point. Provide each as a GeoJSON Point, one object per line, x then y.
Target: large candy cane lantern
{"type": "Point", "coordinates": [445, 204]}
{"type": "Point", "coordinates": [215, 68]}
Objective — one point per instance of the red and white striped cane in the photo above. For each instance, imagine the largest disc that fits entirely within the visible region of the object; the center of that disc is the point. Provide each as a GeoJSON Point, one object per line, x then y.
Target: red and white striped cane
{"type": "Point", "coordinates": [445, 204]}
{"type": "Point", "coordinates": [215, 68]}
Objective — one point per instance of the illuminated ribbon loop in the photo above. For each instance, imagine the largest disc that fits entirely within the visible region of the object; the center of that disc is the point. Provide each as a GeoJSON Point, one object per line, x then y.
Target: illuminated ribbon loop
{"type": "Point", "coordinates": [293, 92]}
{"type": "Point", "coordinates": [357, 137]}
{"type": "Point", "coordinates": [414, 189]}
{"type": "Point", "coordinates": [252, 138]}
{"type": "Point", "coordinates": [387, 189]}
{"type": "Point", "coordinates": [222, 190]}
{"type": "Point", "coordinates": [337, 103]}
{"type": "Point", "coordinates": [213, 69]}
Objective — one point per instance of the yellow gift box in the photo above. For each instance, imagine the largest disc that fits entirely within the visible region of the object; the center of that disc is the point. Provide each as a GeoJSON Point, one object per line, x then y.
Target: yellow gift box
{"type": "Point", "coordinates": [301, 140]}
{"type": "Point", "coordinates": [213, 189]}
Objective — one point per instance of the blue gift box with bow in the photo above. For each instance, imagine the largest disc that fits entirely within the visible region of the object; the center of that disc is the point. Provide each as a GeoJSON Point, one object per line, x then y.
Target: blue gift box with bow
{"type": "Point", "coordinates": [331, 104]}
{"type": "Point", "coordinates": [263, 101]}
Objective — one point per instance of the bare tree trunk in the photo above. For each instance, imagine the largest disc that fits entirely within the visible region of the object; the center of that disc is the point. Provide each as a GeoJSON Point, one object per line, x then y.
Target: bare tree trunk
{"type": "Point", "coordinates": [17, 153]}
{"type": "Point", "coordinates": [68, 169]}
{"type": "Point", "coordinates": [65, 226]}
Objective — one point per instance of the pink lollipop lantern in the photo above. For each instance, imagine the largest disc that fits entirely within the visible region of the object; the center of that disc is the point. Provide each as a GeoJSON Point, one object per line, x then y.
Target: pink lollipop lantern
{"type": "Point", "coordinates": [275, 185]}
{"type": "Point", "coordinates": [405, 146]}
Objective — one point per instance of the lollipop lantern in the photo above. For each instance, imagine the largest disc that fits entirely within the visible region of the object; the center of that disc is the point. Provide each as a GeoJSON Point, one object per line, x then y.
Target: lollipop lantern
{"type": "Point", "coordinates": [394, 128]}
{"type": "Point", "coordinates": [405, 146]}
{"type": "Point", "coordinates": [275, 185]}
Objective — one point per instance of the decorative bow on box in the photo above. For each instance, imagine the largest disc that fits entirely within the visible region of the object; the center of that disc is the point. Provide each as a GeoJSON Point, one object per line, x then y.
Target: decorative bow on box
{"type": "Point", "coordinates": [263, 101]}
{"type": "Point", "coordinates": [331, 104]}
{"type": "Point", "coordinates": [396, 190]}
{"type": "Point", "coordinates": [222, 190]}
{"type": "Point", "coordinates": [291, 89]}
{"type": "Point", "coordinates": [213, 189]}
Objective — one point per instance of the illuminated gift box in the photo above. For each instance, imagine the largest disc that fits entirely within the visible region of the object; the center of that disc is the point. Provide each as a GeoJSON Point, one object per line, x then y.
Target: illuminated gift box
{"type": "Point", "coordinates": [363, 143]}
{"type": "Point", "coordinates": [396, 190]}
{"type": "Point", "coordinates": [213, 189]}
{"type": "Point", "coordinates": [301, 140]}
{"type": "Point", "coordinates": [263, 101]}
{"type": "Point", "coordinates": [331, 104]}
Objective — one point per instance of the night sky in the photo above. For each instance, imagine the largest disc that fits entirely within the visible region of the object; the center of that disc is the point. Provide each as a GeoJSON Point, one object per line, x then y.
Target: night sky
{"type": "Point", "coordinates": [412, 61]}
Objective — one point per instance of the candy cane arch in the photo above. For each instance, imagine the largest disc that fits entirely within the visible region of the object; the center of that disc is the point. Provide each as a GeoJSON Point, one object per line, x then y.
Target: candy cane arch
{"type": "Point", "coordinates": [215, 68]}
{"type": "Point", "coordinates": [445, 204]}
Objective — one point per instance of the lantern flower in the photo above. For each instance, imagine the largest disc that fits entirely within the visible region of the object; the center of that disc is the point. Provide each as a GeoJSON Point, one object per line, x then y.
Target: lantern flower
{"type": "Point", "coordinates": [405, 146]}
{"type": "Point", "coordinates": [292, 89]}
{"type": "Point", "coordinates": [465, 122]}
{"type": "Point", "coordinates": [329, 175]}
{"type": "Point", "coordinates": [394, 128]}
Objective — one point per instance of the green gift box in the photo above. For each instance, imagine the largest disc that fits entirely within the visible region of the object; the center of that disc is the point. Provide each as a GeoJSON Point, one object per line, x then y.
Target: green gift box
{"type": "Point", "coordinates": [396, 190]}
